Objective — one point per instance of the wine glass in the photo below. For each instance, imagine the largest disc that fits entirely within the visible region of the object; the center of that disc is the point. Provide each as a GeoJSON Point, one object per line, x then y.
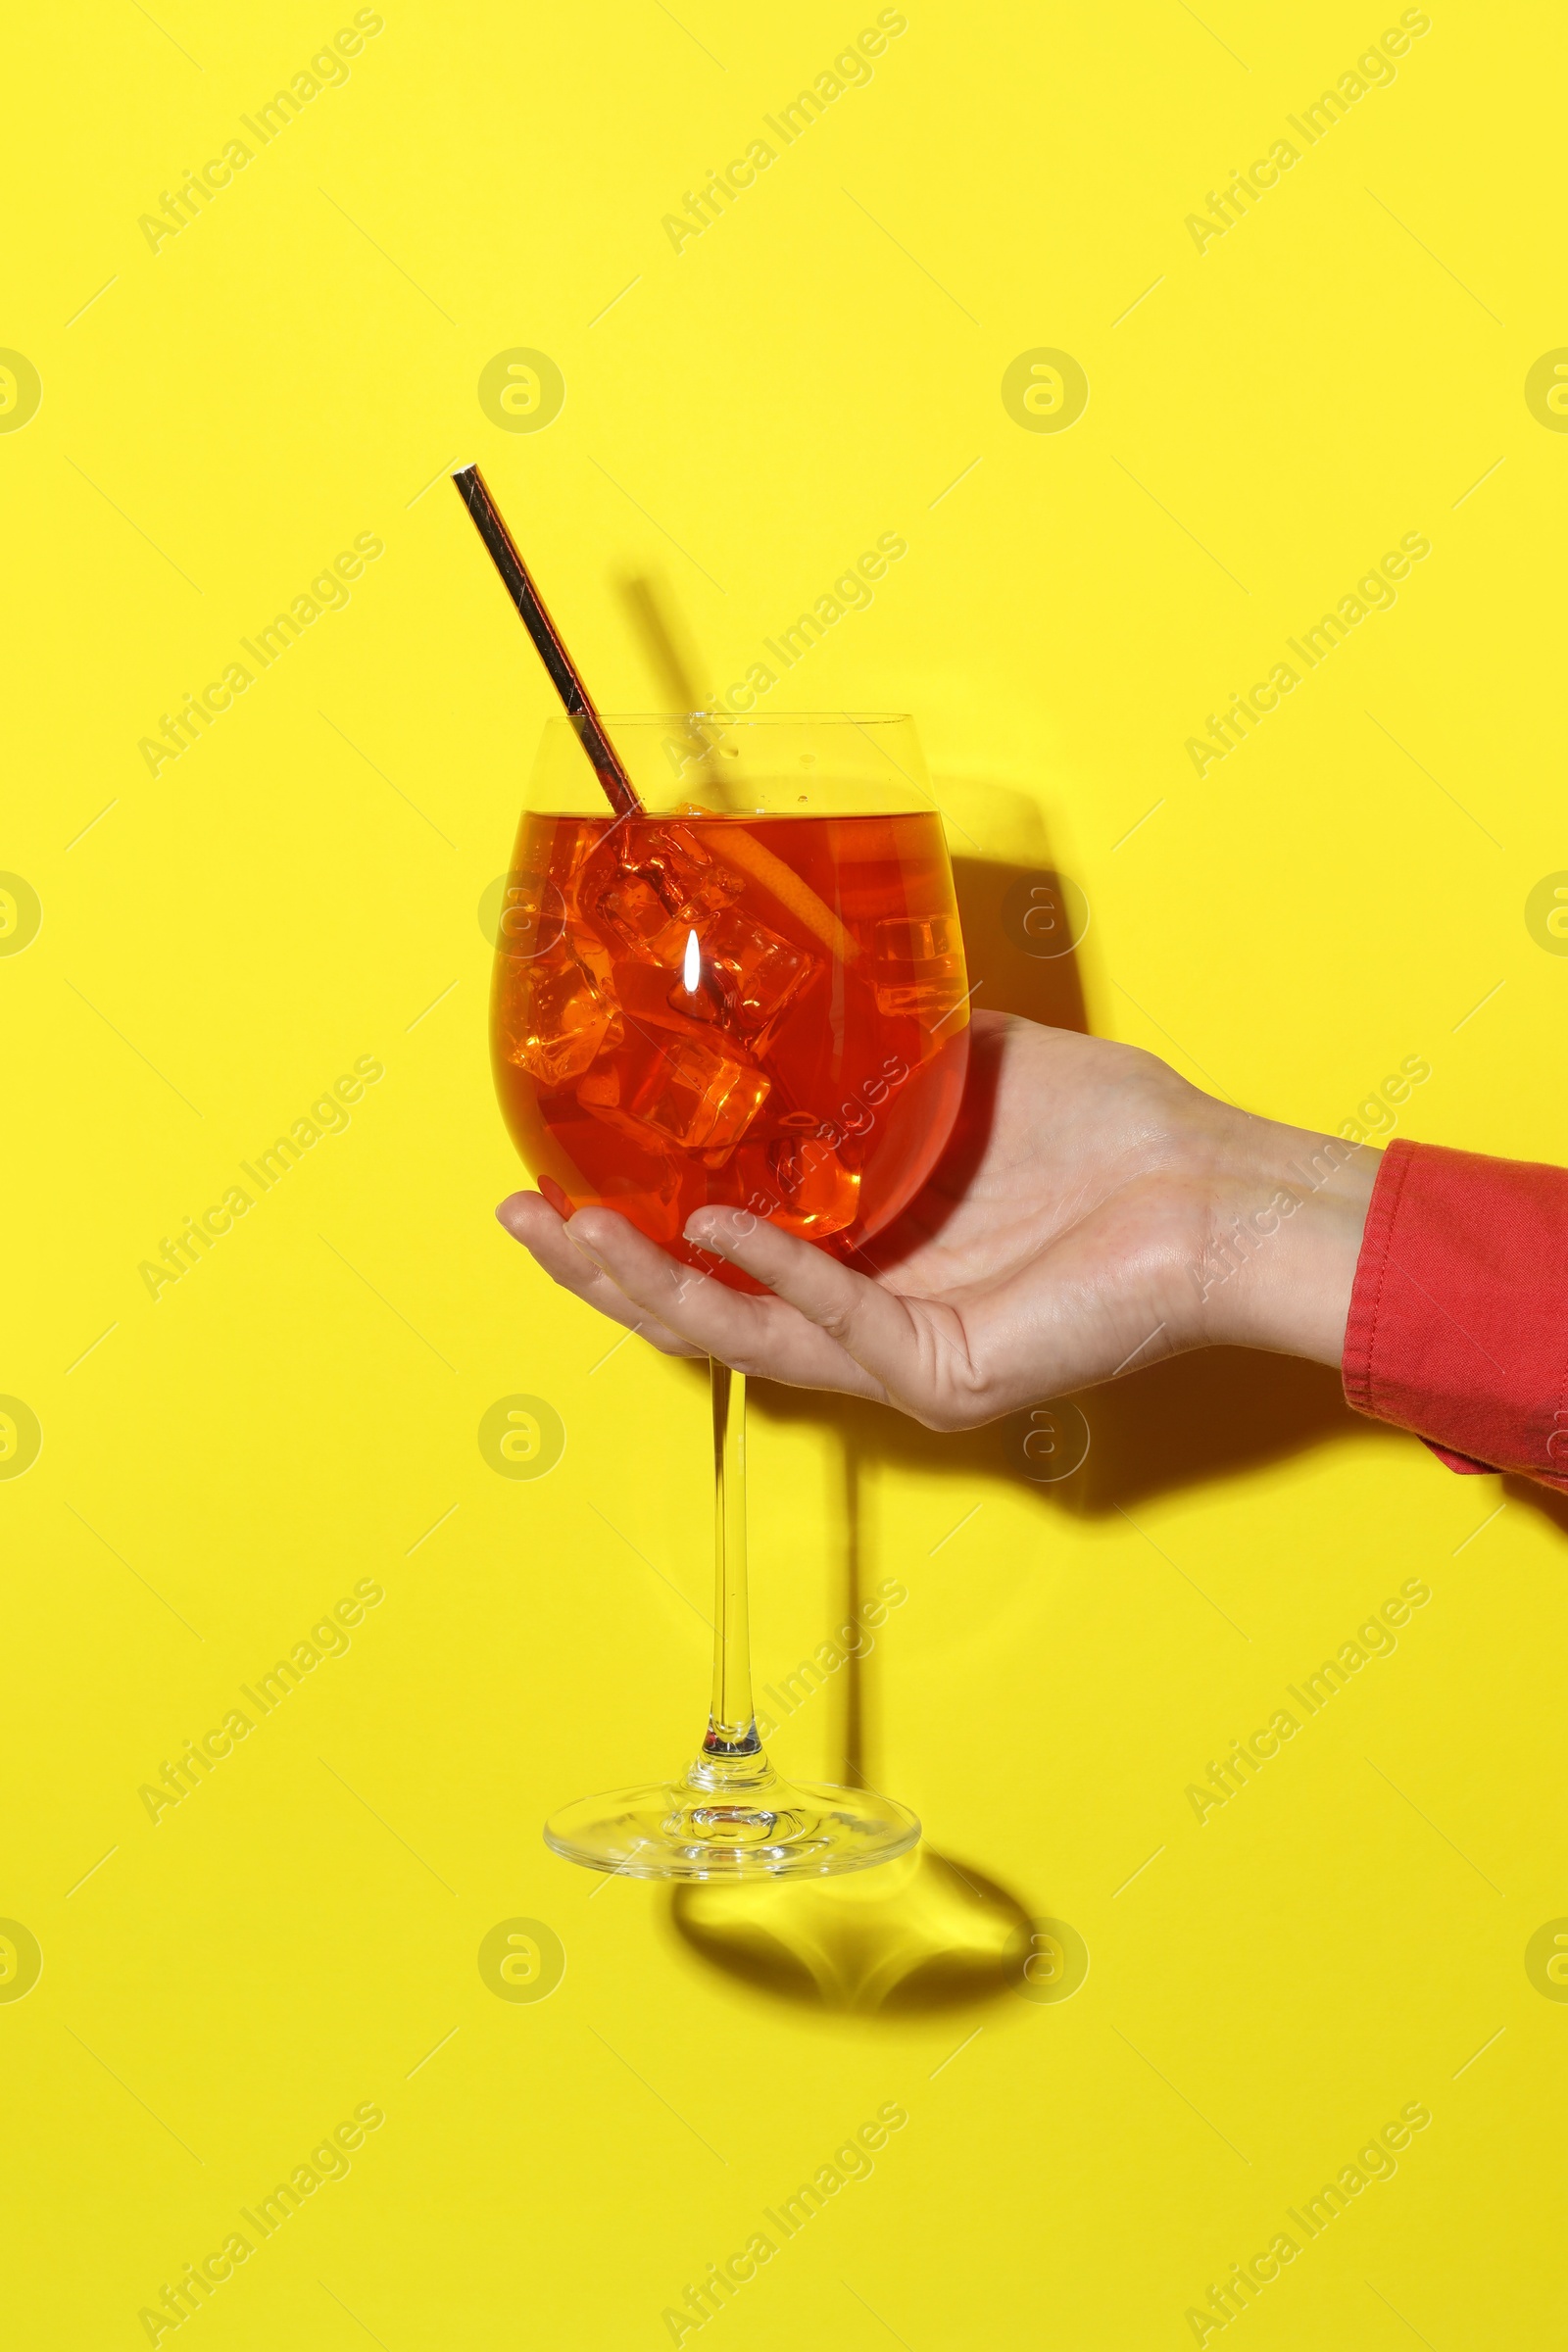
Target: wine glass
{"type": "Point", "coordinates": [750, 991]}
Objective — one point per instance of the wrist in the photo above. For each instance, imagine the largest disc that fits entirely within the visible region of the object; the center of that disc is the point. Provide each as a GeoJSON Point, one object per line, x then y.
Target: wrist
{"type": "Point", "coordinates": [1287, 1215]}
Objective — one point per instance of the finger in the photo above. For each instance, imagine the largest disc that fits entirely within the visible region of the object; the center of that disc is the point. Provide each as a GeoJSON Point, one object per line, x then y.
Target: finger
{"type": "Point", "coordinates": [764, 1337]}
{"type": "Point", "coordinates": [916, 1356]}
{"type": "Point", "coordinates": [530, 1218]}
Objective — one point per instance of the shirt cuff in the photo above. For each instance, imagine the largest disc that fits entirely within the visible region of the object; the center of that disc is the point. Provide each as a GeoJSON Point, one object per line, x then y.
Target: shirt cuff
{"type": "Point", "coordinates": [1458, 1322]}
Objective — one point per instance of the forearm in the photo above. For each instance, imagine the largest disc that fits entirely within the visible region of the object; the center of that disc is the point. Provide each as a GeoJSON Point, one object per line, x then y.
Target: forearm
{"type": "Point", "coordinates": [1279, 1267]}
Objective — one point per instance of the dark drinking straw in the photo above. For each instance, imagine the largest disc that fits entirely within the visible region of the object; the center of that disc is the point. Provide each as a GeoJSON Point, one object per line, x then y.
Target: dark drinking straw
{"type": "Point", "coordinates": [565, 675]}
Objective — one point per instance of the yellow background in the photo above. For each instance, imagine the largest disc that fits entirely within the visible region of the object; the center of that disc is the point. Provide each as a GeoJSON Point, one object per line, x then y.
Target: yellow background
{"type": "Point", "coordinates": [296, 1413]}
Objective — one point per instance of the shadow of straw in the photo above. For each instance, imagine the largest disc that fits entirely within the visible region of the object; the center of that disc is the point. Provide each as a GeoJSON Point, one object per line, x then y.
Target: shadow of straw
{"type": "Point", "coordinates": [657, 620]}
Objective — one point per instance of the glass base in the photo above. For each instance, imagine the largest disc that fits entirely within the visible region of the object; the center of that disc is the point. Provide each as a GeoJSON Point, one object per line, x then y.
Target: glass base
{"type": "Point", "coordinates": [732, 1818]}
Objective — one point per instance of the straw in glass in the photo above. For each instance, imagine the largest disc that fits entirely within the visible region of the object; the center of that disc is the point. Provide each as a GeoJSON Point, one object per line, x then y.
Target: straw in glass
{"type": "Point", "coordinates": [565, 675]}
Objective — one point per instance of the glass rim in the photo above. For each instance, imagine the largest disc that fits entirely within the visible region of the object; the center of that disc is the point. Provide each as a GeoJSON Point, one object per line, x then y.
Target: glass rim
{"type": "Point", "coordinates": [866, 762]}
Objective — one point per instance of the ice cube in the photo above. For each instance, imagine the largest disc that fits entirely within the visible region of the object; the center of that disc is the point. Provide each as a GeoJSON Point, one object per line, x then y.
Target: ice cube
{"type": "Point", "coordinates": [919, 968]}
{"type": "Point", "coordinates": [707, 1002]}
{"type": "Point", "coordinates": [655, 893]}
{"type": "Point", "coordinates": [700, 1098]}
{"type": "Point", "coordinates": [740, 976]}
{"type": "Point", "coordinates": [553, 1016]}
{"type": "Point", "coordinates": [757, 973]}
{"type": "Point", "coordinates": [820, 1195]}
{"type": "Point", "coordinates": [638, 917]}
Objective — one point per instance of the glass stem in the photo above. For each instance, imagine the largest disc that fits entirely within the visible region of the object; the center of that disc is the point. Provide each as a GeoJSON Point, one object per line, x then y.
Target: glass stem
{"type": "Point", "coordinates": [731, 1722]}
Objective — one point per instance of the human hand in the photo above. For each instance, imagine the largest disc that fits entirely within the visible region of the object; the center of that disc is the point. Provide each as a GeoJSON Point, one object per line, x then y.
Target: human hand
{"type": "Point", "coordinates": [1093, 1213]}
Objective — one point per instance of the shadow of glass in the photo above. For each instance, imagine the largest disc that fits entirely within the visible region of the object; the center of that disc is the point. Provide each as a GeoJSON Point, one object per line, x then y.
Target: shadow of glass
{"type": "Point", "coordinates": [924, 1933]}
{"type": "Point", "coordinates": [915, 1936]}
{"type": "Point", "coordinates": [1004, 978]}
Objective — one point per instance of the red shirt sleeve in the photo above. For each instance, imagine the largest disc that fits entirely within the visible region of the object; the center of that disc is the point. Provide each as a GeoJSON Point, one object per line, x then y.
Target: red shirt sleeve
{"type": "Point", "coordinates": [1458, 1323]}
